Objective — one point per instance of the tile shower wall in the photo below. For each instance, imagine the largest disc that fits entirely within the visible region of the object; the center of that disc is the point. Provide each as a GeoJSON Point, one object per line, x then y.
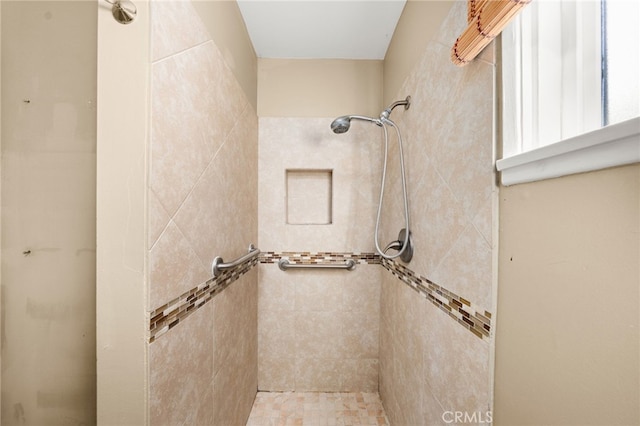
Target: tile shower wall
{"type": "Point", "coordinates": [318, 329]}
{"type": "Point", "coordinates": [202, 202]}
{"type": "Point", "coordinates": [431, 362]}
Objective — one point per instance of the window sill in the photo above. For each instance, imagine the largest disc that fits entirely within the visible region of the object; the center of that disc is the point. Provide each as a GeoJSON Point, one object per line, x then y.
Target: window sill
{"type": "Point", "coordinates": [611, 146]}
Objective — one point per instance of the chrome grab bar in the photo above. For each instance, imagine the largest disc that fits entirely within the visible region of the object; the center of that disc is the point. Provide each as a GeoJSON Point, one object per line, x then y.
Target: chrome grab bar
{"type": "Point", "coordinates": [349, 265]}
{"type": "Point", "coordinates": [218, 266]}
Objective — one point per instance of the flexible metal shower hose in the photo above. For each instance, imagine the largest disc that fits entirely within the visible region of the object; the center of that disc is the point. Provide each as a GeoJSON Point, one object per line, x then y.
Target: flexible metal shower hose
{"type": "Point", "coordinates": [405, 244]}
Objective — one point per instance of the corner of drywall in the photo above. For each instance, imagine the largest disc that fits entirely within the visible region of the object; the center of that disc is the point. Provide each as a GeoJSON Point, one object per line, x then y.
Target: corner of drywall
{"type": "Point", "coordinates": [495, 208]}
{"type": "Point", "coordinates": [1, 286]}
{"type": "Point", "coordinates": [122, 143]}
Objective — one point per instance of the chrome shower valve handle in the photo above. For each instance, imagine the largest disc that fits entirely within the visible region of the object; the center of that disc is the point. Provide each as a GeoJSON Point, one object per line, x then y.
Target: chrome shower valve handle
{"type": "Point", "coordinates": [406, 253]}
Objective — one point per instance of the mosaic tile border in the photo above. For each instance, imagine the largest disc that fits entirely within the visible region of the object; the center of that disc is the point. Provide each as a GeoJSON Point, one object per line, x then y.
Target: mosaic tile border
{"type": "Point", "coordinates": [322, 257]}
{"type": "Point", "coordinates": [170, 314]}
{"type": "Point", "coordinates": [457, 307]}
{"type": "Point", "coordinates": [167, 316]}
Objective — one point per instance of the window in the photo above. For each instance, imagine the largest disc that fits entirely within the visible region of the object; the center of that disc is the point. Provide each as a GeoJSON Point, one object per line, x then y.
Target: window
{"type": "Point", "coordinates": [571, 82]}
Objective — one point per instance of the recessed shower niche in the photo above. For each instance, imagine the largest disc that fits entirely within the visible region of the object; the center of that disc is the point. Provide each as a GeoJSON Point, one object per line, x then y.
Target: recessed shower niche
{"type": "Point", "coordinates": [309, 196]}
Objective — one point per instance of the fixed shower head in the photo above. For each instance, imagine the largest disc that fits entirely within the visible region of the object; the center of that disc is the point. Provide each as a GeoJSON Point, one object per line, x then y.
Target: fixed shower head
{"type": "Point", "coordinates": [342, 124]}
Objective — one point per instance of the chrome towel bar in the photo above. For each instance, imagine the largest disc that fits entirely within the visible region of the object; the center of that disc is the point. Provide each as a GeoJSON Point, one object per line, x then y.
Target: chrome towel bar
{"type": "Point", "coordinates": [218, 266]}
{"type": "Point", "coordinates": [349, 265]}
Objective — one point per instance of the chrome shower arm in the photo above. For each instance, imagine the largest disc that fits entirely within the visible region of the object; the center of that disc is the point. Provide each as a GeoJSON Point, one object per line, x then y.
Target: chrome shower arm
{"type": "Point", "coordinates": [406, 102]}
{"type": "Point", "coordinates": [387, 112]}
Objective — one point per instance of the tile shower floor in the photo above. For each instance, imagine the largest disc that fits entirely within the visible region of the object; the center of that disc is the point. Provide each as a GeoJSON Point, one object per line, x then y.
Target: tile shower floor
{"type": "Point", "coordinates": [317, 409]}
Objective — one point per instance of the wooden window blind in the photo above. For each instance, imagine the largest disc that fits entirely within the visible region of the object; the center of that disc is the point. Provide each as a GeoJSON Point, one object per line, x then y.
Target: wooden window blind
{"type": "Point", "coordinates": [486, 18]}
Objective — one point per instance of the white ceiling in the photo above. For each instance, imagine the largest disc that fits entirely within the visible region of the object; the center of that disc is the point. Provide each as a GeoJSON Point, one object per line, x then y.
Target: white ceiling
{"type": "Point", "coordinates": [328, 29]}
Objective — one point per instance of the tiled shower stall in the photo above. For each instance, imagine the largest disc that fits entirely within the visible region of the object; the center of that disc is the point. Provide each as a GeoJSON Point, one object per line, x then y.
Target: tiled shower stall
{"type": "Point", "coordinates": [221, 177]}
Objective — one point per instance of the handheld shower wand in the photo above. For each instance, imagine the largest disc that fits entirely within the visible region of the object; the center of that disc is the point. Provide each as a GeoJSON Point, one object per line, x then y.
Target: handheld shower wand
{"type": "Point", "coordinates": [341, 125]}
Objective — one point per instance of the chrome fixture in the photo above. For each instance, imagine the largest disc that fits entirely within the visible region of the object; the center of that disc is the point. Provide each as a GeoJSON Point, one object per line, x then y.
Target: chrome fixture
{"type": "Point", "coordinates": [403, 245]}
{"type": "Point", "coordinates": [342, 124]}
{"type": "Point", "coordinates": [217, 267]}
{"type": "Point", "coordinates": [349, 265]}
{"type": "Point", "coordinates": [405, 102]}
{"type": "Point", "coordinates": [124, 11]}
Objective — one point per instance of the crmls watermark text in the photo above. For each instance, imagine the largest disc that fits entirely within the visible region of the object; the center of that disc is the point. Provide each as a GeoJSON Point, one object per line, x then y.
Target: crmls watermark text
{"type": "Point", "coordinates": [476, 417]}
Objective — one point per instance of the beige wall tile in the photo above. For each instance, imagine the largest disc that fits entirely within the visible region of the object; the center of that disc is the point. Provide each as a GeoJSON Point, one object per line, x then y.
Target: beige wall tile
{"type": "Point", "coordinates": [195, 104]}
{"type": "Point", "coordinates": [183, 139]}
{"type": "Point", "coordinates": [276, 374]}
{"type": "Point", "coordinates": [407, 326]}
{"type": "Point", "coordinates": [276, 334]}
{"type": "Point", "coordinates": [432, 412]}
{"type": "Point", "coordinates": [363, 294]}
{"type": "Point", "coordinates": [360, 334]}
{"type": "Point", "coordinates": [449, 152]}
{"type": "Point", "coordinates": [309, 197]}
{"type": "Point", "coordinates": [428, 363]}
{"type": "Point", "coordinates": [450, 180]}
{"type": "Point", "coordinates": [308, 143]}
{"type": "Point", "coordinates": [318, 374]}
{"type": "Point", "coordinates": [158, 219]}
{"type": "Point", "coordinates": [453, 24]}
{"type": "Point", "coordinates": [360, 375]}
{"type": "Point", "coordinates": [325, 317]}
{"type": "Point", "coordinates": [276, 290]}
{"type": "Point", "coordinates": [236, 322]}
{"type": "Point", "coordinates": [180, 390]}
{"type": "Point", "coordinates": [467, 268]}
{"type": "Point", "coordinates": [235, 350]}
{"type": "Point", "coordinates": [175, 26]}
{"type": "Point", "coordinates": [318, 335]}
{"type": "Point", "coordinates": [229, 405]}
{"type": "Point", "coordinates": [439, 223]}
{"type": "Point", "coordinates": [457, 365]}
{"type": "Point", "coordinates": [174, 267]}
{"type": "Point", "coordinates": [465, 158]}
{"type": "Point", "coordinates": [317, 290]}
{"type": "Point", "coordinates": [217, 214]}
{"type": "Point", "coordinates": [203, 183]}
{"type": "Point", "coordinates": [226, 27]}
{"type": "Point", "coordinates": [304, 317]}
{"type": "Point", "coordinates": [451, 186]}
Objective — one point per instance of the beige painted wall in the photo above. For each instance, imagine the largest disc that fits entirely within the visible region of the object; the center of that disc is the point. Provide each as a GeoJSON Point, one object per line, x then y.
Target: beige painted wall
{"type": "Point", "coordinates": [48, 195]}
{"type": "Point", "coordinates": [224, 22]}
{"type": "Point", "coordinates": [123, 111]}
{"type": "Point", "coordinates": [319, 87]}
{"type": "Point", "coordinates": [417, 25]}
{"type": "Point", "coordinates": [567, 344]}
